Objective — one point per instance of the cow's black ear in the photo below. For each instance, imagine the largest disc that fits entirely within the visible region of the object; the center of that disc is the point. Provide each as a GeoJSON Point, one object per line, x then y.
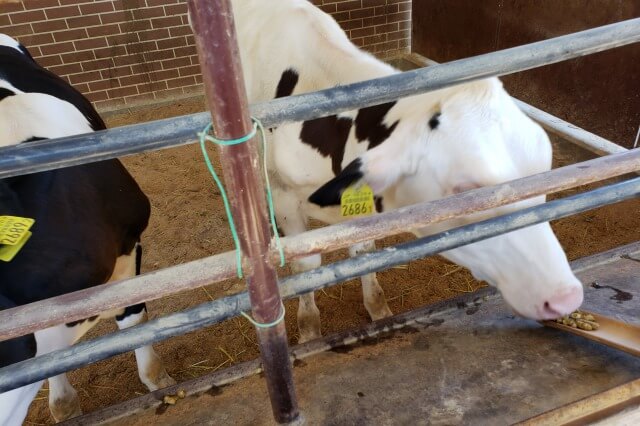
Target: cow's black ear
{"type": "Point", "coordinates": [329, 194]}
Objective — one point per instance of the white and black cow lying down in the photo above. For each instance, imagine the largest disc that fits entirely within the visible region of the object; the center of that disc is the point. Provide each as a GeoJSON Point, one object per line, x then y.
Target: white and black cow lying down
{"type": "Point", "coordinates": [414, 150]}
{"type": "Point", "coordinates": [88, 223]}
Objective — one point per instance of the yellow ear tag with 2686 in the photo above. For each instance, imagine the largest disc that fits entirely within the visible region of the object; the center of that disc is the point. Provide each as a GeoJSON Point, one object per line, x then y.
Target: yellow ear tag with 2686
{"type": "Point", "coordinates": [14, 233]}
{"type": "Point", "coordinates": [357, 200]}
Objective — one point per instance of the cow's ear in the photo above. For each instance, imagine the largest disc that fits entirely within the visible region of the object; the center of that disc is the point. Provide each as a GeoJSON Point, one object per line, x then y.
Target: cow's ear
{"type": "Point", "coordinates": [330, 193]}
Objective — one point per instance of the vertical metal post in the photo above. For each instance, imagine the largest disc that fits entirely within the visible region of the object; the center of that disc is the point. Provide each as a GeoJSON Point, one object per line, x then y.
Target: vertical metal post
{"type": "Point", "coordinates": [216, 39]}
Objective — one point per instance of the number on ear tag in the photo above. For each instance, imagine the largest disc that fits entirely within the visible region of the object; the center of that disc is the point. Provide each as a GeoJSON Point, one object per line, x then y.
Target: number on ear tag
{"type": "Point", "coordinates": [8, 252]}
{"type": "Point", "coordinates": [357, 201]}
{"type": "Point", "coordinates": [13, 229]}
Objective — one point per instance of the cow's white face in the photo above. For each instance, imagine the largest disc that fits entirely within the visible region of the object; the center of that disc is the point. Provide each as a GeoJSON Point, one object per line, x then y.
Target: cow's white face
{"type": "Point", "coordinates": [477, 137]}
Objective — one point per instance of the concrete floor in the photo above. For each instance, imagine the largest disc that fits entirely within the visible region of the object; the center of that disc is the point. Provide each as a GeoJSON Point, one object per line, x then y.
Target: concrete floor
{"type": "Point", "coordinates": [469, 362]}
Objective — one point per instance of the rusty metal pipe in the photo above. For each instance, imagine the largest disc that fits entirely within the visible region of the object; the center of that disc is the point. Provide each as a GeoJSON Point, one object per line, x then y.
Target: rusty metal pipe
{"type": "Point", "coordinates": [154, 285]}
{"type": "Point", "coordinates": [217, 45]}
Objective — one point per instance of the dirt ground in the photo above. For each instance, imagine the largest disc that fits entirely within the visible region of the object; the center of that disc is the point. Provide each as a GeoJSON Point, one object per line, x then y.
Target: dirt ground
{"type": "Point", "coordinates": [188, 222]}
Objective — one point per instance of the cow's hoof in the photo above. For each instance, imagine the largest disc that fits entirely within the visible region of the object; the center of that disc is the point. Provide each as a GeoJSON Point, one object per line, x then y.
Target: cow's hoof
{"type": "Point", "coordinates": [64, 409]}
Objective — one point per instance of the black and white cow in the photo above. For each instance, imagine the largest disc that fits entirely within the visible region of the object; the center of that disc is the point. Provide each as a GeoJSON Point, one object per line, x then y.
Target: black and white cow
{"type": "Point", "coordinates": [88, 223]}
{"type": "Point", "coordinates": [413, 150]}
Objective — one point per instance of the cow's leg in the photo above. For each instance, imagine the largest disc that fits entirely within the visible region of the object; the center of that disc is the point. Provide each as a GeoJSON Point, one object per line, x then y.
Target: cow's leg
{"type": "Point", "coordinates": [150, 367]}
{"type": "Point", "coordinates": [63, 398]}
{"type": "Point", "coordinates": [291, 221]}
{"type": "Point", "coordinates": [372, 293]}
{"type": "Point", "coordinates": [151, 370]}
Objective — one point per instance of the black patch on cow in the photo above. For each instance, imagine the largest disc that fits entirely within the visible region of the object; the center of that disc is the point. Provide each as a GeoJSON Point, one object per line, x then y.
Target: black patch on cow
{"type": "Point", "coordinates": [434, 121]}
{"type": "Point", "coordinates": [74, 323]}
{"type": "Point", "coordinates": [287, 83]}
{"type": "Point", "coordinates": [5, 93]}
{"type": "Point", "coordinates": [25, 52]}
{"type": "Point", "coordinates": [138, 258]}
{"type": "Point", "coordinates": [329, 136]}
{"type": "Point", "coordinates": [131, 310]}
{"type": "Point", "coordinates": [378, 202]}
{"type": "Point", "coordinates": [22, 72]}
{"type": "Point", "coordinates": [329, 194]}
{"type": "Point", "coordinates": [370, 124]}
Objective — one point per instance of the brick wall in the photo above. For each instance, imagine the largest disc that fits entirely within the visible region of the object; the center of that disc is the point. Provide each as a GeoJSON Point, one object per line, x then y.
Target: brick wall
{"type": "Point", "coordinates": [130, 52]}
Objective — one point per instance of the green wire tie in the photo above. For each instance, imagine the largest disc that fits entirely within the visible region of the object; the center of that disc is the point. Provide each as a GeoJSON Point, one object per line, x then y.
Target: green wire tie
{"type": "Point", "coordinates": [269, 324]}
{"type": "Point", "coordinates": [204, 137]}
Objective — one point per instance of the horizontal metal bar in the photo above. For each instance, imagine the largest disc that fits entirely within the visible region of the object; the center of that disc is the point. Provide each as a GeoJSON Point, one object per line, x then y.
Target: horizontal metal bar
{"type": "Point", "coordinates": [47, 155]}
{"type": "Point", "coordinates": [570, 132]}
{"type": "Point", "coordinates": [87, 352]}
{"type": "Point", "coordinates": [154, 285]}
{"type": "Point", "coordinates": [549, 122]}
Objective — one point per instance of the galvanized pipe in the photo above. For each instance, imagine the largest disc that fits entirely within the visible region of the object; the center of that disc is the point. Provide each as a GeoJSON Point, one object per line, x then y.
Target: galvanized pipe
{"type": "Point", "coordinates": [154, 285]}
{"type": "Point", "coordinates": [217, 44]}
{"type": "Point", "coordinates": [88, 352]}
{"type": "Point", "coordinates": [47, 155]}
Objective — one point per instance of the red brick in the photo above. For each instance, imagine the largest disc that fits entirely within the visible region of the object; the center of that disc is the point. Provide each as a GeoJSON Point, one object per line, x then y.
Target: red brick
{"type": "Point", "coordinates": [152, 86]}
{"type": "Point", "coordinates": [49, 26]}
{"type": "Point", "coordinates": [167, 21]}
{"type": "Point", "coordinates": [341, 16]}
{"type": "Point", "coordinates": [62, 12]}
{"type": "Point", "coordinates": [98, 64]}
{"type": "Point", "coordinates": [118, 39]}
{"type": "Point", "coordinates": [329, 8]}
{"type": "Point", "coordinates": [5, 21]}
{"type": "Point", "coordinates": [397, 17]}
{"type": "Point", "coordinates": [66, 69]}
{"type": "Point", "coordinates": [35, 40]}
{"type": "Point", "coordinates": [82, 88]}
{"type": "Point", "coordinates": [117, 16]}
{"type": "Point", "coordinates": [146, 67]}
{"type": "Point", "coordinates": [83, 21]}
{"type": "Point", "coordinates": [41, 4]}
{"type": "Point", "coordinates": [176, 63]}
{"type": "Point", "coordinates": [358, 42]}
{"type": "Point", "coordinates": [18, 30]}
{"type": "Point", "coordinates": [403, 7]}
{"type": "Point", "coordinates": [362, 32]}
{"type": "Point", "coordinates": [121, 92]}
{"type": "Point", "coordinates": [141, 47]}
{"type": "Point", "coordinates": [66, 35]}
{"type": "Point", "coordinates": [35, 51]}
{"type": "Point", "coordinates": [350, 25]}
{"type": "Point", "coordinates": [190, 70]}
{"type": "Point", "coordinates": [127, 60]}
{"type": "Point", "coordinates": [96, 7]}
{"type": "Point", "coordinates": [27, 17]}
{"type": "Point", "coordinates": [176, 9]}
{"type": "Point", "coordinates": [349, 5]}
{"type": "Point", "coordinates": [185, 51]}
{"type": "Point", "coordinates": [404, 25]}
{"type": "Point", "coordinates": [397, 35]}
{"type": "Point", "coordinates": [90, 43]}
{"type": "Point", "coordinates": [148, 12]}
{"type": "Point", "coordinates": [103, 30]}
{"type": "Point", "coordinates": [179, 82]}
{"type": "Point", "coordinates": [49, 61]}
{"type": "Point", "coordinates": [136, 26]}
{"type": "Point", "coordinates": [109, 52]}
{"type": "Point", "coordinates": [375, 20]}
{"type": "Point", "coordinates": [157, 34]}
{"type": "Point", "coordinates": [180, 31]}
{"type": "Point", "coordinates": [116, 72]}
{"type": "Point", "coordinates": [382, 47]}
{"type": "Point", "coordinates": [152, 3]}
{"type": "Point", "coordinates": [134, 79]}
{"type": "Point", "coordinates": [97, 96]}
{"type": "Point", "coordinates": [379, 38]}
{"type": "Point", "coordinates": [103, 84]}
{"type": "Point", "coordinates": [85, 77]}
{"type": "Point", "coordinates": [85, 55]}
{"type": "Point", "coordinates": [11, 7]}
{"type": "Point", "coordinates": [199, 78]}
{"type": "Point", "coordinates": [386, 28]}
{"type": "Point", "coordinates": [362, 13]}
{"type": "Point", "coordinates": [404, 43]}
{"type": "Point", "coordinates": [171, 43]}
{"type": "Point", "coordinates": [168, 94]}
{"type": "Point", "coordinates": [371, 3]}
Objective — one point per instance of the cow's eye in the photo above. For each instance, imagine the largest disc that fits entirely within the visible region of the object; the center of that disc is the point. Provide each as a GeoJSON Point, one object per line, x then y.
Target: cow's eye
{"type": "Point", "coordinates": [434, 121]}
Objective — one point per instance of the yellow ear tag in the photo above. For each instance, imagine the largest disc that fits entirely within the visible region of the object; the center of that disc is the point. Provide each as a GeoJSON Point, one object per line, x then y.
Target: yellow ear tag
{"type": "Point", "coordinates": [357, 200]}
{"type": "Point", "coordinates": [14, 233]}
{"type": "Point", "coordinates": [7, 253]}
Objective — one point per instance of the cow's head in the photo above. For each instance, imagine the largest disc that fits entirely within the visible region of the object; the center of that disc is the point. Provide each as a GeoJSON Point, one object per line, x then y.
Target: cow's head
{"type": "Point", "coordinates": [459, 139]}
